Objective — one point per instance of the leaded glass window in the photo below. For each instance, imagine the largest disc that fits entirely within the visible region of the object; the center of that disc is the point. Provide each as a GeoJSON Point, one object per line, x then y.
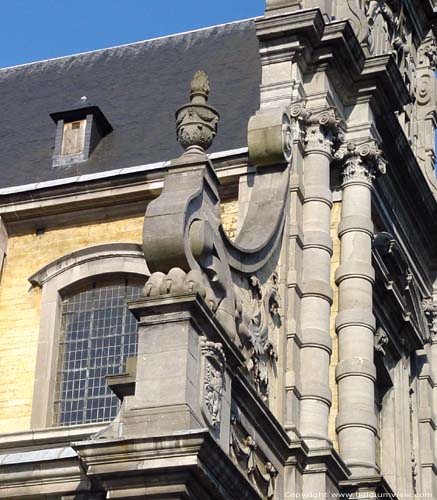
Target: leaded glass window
{"type": "Point", "coordinates": [98, 333]}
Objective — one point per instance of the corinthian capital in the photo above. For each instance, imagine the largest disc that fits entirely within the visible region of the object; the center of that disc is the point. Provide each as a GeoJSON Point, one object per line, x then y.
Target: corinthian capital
{"type": "Point", "coordinates": [323, 132]}
{"type": "Point", "coordinates": [361, 162]}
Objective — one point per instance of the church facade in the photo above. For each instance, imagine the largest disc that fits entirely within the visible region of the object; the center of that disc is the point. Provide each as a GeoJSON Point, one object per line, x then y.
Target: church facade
{"type": "Point", "coordinates": [248, 309]}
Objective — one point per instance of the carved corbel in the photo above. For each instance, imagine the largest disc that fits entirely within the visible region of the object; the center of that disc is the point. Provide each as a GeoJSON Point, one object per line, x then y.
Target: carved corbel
{"type": "Point", "coordinates": [429, 308]}
{"type": "Point", "coordinates": [381, 340]}
{"type": "Point", "coordinates": [427, 54]}
{"type": "Point", "coordinates": [361, 162]}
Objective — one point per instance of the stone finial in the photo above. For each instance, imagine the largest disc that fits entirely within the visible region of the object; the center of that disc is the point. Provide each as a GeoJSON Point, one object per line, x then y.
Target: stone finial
{"type": "Point", "coordinates": [200, 84]}
{"type": "Point", "coordinates": [196, 123]}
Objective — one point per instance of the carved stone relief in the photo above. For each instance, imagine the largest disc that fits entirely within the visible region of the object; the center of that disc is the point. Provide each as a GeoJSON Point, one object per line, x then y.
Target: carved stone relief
{"type": "Point", "coordinates": [425, 109]}
{"type": "Point", "coordinates": [430, 310]}
{"type": "Point", "coordinates": [361, 162]}
{"type": "Point", "coordinates": [213, 381]}
{"type": "Point", "coordinates": [251, 460]}
{"type": "Point", "coordinates": [427, 54]}
{"type": "Point", "coordinates": [381, 340]}
{"type": "Point", "coordinates": [257, 317]}
{"type": "Point", "coordinates": [387, 28]}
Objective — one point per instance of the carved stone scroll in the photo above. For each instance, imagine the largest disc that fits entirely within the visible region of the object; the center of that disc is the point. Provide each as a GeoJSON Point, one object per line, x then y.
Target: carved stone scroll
{"type": "Point", "coordinates": [186, 247]}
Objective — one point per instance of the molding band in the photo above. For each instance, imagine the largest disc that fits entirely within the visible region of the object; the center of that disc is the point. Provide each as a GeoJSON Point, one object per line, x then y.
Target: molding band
{"type": "Point", "coordinates": [317, 288]}
{"type": "Point", "coordinates": [318, 239]}
{"type": "Point", "coordinates": [312, 389]}
{"type": "Point", "coordinates": [355, 317]}
{"type": "Point", "coordinates": [312, 337]}
{"type": "Point", "coordinates": [355, 367]}
{"type": "Point", "coordinates": [356, 417]}
{"type": "Point", "coordinates": [356, 223]}
{"type": "Point", "coordinates": [319, 193]}
{"type": "Point", "coordinates": [85, 255]}
{"type": "Point", "coordinates": [354, 269]}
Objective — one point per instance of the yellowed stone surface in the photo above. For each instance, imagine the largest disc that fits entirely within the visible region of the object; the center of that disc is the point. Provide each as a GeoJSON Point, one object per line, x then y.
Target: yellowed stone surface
{"type": "Point", "coordinates": [335, 261]}
{"type": "Point", "coordinates": [229, 214]}
{"type": "Point", "coordinates": [20, 303]}
{"type": "Point", "coordinates": [20, 307]}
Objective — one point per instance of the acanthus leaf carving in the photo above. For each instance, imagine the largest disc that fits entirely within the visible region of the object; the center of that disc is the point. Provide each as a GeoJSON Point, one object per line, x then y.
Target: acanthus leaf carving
{"type": "Point", "coordinates": [257, 316]}
{"type": "Point", "coordinates": [324, 132]}
{"type": "Point", "coordinates": [213, 380]}
{"type": "Point", "coordinates": [361, 162]}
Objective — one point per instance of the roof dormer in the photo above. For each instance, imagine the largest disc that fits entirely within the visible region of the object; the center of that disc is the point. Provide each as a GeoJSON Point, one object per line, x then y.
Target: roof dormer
{"type": "Point", "coordinates": [78, 131]}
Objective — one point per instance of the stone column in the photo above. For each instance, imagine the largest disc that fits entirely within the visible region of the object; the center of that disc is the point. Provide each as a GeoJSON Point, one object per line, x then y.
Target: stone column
{"type": "Point", "coordinates": [317, 294]}
{"type": "Point", "coordinates": [355, 324]}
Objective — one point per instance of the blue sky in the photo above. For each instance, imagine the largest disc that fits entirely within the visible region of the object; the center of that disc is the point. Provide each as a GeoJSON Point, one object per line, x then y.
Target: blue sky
{"type": "Point", "coordinates": [32, 30]}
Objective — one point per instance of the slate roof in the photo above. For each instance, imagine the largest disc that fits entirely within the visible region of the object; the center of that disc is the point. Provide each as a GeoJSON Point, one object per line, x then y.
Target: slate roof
{"type": "Point", "coordinates": [138, 87]}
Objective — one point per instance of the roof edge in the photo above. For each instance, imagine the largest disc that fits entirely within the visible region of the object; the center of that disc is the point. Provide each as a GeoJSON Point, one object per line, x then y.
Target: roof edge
{"type": "Point", "coordinates": [163, 37]}
{"type": "Point", "coordinates": [106, 174]}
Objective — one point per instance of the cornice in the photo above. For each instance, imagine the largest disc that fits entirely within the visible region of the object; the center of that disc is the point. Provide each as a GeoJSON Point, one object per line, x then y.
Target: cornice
{"type": "Point", "coordinates": [308, 24]}
{"type": "Point", "coordinates": [115, 194]}
{"type": "Point", "coordinates": [336, 45]}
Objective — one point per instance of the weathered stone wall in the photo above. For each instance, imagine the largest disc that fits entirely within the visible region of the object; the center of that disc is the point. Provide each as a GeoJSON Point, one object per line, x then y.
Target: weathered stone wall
{"type": "Point", "coordinates": [20, 304]}
{"type": "Point", "coordinates": [20, 307]}
{"type": "Point", "coordinates": [229, 214]}
{"type": "Point", "coordinates": [335, 262]}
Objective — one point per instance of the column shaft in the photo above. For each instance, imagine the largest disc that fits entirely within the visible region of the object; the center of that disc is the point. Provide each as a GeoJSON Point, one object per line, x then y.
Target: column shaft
{"type": "Point", "coordinates": [317, 294]}
{"type": "Point", "coordinates": [356, 374]}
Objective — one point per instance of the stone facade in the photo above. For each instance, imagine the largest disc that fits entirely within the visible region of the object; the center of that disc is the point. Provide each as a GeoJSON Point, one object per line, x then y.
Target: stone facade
{"type": "Point", "coordinates": [287, 325]}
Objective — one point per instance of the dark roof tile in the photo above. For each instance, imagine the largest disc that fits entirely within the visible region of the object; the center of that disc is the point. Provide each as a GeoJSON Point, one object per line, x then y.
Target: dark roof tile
{"type": "Point", "coordinates": [138, 87]}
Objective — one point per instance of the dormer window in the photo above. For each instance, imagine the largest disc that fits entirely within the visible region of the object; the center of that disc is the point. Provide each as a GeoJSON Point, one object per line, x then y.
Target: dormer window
{"type": "Point", "coordinates": [78, 131]}
{"type": "Point", "coordinates": [73, 138]}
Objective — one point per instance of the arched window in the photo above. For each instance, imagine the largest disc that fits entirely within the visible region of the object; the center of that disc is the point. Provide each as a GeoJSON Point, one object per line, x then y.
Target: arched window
{"type": "Point", "coordinates": [86, 332]}
{"type": "Point", "coordinates": [98, 334]}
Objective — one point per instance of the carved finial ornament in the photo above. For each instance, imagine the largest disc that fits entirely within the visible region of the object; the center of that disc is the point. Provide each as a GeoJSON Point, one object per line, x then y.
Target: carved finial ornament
{"type": "Point", "coordinates": [196, 123]}
{"type": "Point", "coordinates": [361, 162]}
